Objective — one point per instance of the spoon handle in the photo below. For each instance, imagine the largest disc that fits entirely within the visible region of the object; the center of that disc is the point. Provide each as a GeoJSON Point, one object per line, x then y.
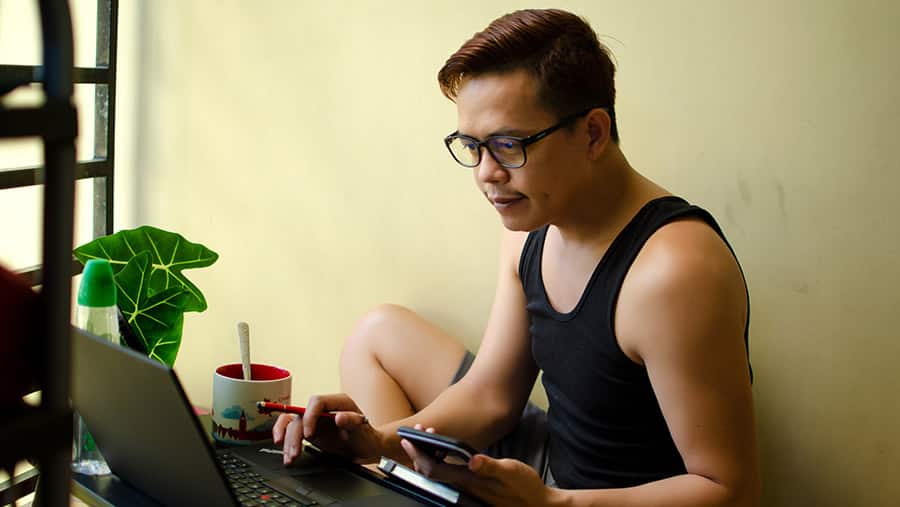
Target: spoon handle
{"type": "Point", "coordinates": [244, 340]}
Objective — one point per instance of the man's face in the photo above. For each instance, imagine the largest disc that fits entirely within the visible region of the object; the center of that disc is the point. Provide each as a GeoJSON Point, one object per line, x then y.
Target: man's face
{"type": "Point", "coordinates": [536, 193]}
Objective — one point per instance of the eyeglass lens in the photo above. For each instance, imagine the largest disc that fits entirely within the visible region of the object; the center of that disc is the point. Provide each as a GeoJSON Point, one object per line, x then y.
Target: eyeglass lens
{"type": "Point", "coordinates": [507, 151]}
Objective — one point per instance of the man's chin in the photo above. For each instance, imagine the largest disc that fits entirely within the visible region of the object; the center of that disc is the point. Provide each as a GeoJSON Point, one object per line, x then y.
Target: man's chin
{"type": "Point", "coordinates": [519, 224]}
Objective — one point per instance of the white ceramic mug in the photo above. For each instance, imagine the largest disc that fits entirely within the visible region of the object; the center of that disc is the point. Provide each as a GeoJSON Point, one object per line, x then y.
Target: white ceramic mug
{"type": "Point", "coordinates": [235, 418]}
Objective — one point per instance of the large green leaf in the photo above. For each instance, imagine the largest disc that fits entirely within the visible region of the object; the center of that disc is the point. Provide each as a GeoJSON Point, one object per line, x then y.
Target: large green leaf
{"type": "Point", "coordinates": [170, 254]}
{"type": "Point", "coordinates": [156, 320]}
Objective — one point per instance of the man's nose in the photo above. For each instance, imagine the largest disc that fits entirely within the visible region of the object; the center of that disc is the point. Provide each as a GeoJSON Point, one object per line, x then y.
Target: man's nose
{"type": "Point", "coordinates": [489, 170]}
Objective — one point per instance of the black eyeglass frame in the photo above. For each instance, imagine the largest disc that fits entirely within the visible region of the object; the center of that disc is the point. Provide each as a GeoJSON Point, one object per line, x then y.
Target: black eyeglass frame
{"type": "Point", "coordinates": [523, 141]}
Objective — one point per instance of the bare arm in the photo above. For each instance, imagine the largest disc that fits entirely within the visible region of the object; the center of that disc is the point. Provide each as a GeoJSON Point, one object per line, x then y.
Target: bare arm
{"type": "Point", "coordinates": [681, 313]}
{"type": "Point", "coordinates": [479, 409]}
{"type": "Point", "coordinates": [487, 402]}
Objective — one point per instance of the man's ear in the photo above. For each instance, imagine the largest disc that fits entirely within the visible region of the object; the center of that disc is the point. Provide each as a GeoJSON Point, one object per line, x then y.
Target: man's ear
{"type": "Point", "coordinates": [599, 127]}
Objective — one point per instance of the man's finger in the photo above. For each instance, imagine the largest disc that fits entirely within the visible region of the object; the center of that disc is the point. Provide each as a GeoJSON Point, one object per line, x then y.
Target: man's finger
{"type": "Point", "coordinates": [419, 460]}
{"type": "Point", "coordinates": [319, 404]}
{"type": "Point", "coordinates": [281, 426]}
{"type": "Point", "coordinates": [484, 466]}
{"type": "Point", "coordinates": [422, 462]}
{"type": "Point", "coordinates": [425, 465]}
{"type": "Point", "coordinates": [293, 440]}
{"type": "Point", "coordinates": [350, 421]}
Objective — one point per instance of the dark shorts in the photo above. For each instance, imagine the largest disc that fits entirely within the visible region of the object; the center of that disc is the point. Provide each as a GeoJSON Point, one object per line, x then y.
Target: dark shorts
{"type": "Point", "coordinates": [528, 440]}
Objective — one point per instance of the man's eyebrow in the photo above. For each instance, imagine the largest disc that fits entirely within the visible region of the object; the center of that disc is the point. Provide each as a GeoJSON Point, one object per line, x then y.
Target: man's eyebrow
{"type": "Point", "coordinates": [509, 132]}
{"type": "Point", "coordinates": [512, 132]}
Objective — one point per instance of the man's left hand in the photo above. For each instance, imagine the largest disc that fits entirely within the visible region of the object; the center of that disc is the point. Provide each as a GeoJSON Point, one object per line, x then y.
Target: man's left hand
{"type": "Point", "coordinates": [494, 481]}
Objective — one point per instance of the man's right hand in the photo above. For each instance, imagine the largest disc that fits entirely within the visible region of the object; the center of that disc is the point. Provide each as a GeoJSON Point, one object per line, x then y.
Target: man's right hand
{"type": "Point", "coordinates": [349, 435]}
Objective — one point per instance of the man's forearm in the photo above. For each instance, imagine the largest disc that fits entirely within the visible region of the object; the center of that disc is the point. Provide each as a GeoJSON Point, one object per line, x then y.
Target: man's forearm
{"type": "Point", "coordinates": [453, 413]}
{"type": "Point", "coordinates": [688, 490]}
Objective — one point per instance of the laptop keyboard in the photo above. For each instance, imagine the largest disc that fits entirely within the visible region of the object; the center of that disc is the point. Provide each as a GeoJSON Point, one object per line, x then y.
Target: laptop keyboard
{"type": "Point", "coordinates": [252, 489]}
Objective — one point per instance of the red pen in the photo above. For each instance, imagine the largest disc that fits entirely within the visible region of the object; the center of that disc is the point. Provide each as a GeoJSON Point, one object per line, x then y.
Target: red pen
{"type": "Point", "coordinates": [268, 406]}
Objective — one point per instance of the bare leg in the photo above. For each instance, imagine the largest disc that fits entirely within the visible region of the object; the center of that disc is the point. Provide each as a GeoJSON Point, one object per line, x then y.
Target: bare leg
{"type": "Point", "coordinates": [395, 363]}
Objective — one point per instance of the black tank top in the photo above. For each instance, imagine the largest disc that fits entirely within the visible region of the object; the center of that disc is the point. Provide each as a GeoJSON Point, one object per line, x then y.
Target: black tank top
{"type": "Point", "coordinates": [606, 427]}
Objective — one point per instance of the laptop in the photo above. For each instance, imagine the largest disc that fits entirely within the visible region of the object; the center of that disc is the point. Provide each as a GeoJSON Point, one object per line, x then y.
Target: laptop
{"type": "Point", "coordinates": [145, 427]}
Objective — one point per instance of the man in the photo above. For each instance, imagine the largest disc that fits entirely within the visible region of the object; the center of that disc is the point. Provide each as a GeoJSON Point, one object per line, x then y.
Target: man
{"type": "Point", "coordinates": [627, 298]}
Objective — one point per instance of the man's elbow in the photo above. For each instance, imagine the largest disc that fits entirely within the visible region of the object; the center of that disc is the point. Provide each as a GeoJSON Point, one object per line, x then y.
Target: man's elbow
{"type": "Point", "coordinates": [742, 492]}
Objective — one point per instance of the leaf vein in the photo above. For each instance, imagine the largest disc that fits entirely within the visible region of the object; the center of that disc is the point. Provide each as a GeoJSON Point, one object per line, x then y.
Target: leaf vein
{"type": "Point", "coordinates": [125, 239]}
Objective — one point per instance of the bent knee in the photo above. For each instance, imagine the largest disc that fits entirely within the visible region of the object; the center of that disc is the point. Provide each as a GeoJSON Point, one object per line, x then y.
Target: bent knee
{"type": "Point", "coordinates": [386, 314]}
{"type": "Point", "coordinates": [381, 321]}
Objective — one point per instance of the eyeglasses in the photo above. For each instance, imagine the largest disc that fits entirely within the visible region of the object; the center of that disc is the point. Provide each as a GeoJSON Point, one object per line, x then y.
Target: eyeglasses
{"type": "Point", "coordinates": [508, 151]}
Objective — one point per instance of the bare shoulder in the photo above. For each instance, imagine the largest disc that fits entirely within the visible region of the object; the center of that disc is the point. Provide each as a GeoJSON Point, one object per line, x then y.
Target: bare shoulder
{"type": "Point", "coordinates": [685, 280]}
{"type": "Point", "coordinates": [511, 244]}
{"type": "Point", "coordinates": [686, 244]}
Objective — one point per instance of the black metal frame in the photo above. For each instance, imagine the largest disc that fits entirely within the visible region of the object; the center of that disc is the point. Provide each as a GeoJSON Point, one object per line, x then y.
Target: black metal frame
{"type": "Point", "coordinates": [105, 131]}
{"type": "Point", "coordinates": [43, 433]}
{"type": "Point", "coordinates": [101, 168]}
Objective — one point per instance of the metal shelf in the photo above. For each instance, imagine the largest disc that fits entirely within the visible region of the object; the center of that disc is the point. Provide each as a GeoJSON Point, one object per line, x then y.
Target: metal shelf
{"type": "Point", "coordinates": [44, 434]}
{"type": "Point", "coordinates": [23, 74]}
{"type": "Point", "coordinates": [35, 432]}
{"type": "Point", "coordinates": [28, 176]}
{"type": "Point", "coordinates": [18, 487]}
{"type": "Point", "coordinates": [54, 121]}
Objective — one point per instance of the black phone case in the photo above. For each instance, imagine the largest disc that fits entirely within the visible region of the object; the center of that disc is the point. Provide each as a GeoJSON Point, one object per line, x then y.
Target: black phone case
{"type": "Point", "coordinates": [438, 446]}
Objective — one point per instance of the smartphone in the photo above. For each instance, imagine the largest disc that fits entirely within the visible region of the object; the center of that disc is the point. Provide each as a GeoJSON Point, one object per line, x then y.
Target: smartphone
{"type": "Point", "coordinates": [439, 447]}
{"type": "Point", "coordinates": [433, 491]}
{"type": "Point", "coordinates": [406, 474]}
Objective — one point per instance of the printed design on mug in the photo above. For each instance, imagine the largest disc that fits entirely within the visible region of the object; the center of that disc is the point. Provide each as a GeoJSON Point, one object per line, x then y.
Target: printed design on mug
{"type": "Point", "coordinates": [243, 419]}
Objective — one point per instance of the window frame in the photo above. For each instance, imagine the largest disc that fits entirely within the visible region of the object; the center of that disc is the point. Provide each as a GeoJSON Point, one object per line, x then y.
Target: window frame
{"type": "Point", "coordinates": [100, 168]}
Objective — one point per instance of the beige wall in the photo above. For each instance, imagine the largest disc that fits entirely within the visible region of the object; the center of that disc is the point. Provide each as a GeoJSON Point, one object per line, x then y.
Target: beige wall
{"type": "Point", "coordinates": [301, 140]}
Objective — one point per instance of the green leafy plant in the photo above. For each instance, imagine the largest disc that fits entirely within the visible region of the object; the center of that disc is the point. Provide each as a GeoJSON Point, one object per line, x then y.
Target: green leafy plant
{"type": "Point", "coordinates": [153, 293]}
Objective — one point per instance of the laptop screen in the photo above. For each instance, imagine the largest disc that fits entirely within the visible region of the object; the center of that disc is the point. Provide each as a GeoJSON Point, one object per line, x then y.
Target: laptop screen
{"type": "Point", "coordinates": [145, 427]}
{"type": "Point", "coordinates": [143, 424]}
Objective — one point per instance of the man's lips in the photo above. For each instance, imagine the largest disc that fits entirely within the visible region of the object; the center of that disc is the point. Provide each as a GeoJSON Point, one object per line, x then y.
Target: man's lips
{"type": "Point", "coordinates": [503, 201]}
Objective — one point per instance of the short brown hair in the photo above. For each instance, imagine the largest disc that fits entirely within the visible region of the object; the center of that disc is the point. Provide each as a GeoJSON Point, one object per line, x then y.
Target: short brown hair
{"type": "Point", "coordinates": [573, 69]}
